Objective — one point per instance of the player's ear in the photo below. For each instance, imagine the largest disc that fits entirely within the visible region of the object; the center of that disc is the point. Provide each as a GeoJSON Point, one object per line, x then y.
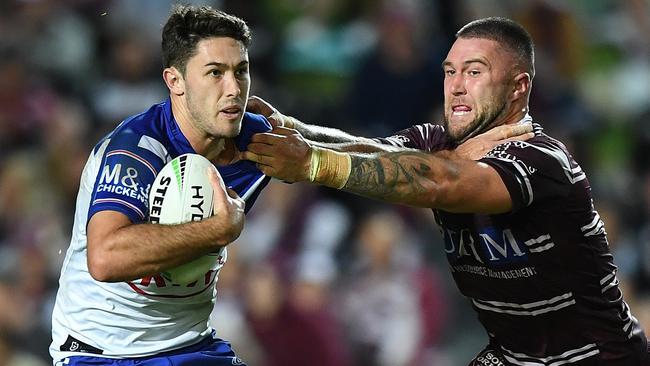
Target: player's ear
{"type": "Point", "coordinates": [521, 86]}
{"type": "Point", "coordinates": [174, 80]}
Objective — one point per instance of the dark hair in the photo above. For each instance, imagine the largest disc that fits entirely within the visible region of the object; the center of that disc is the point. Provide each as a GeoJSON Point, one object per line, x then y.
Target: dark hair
{"type": "Point", "coordinates": [187, 25]}
{"type": "Point", "coordinates": [507, 33]}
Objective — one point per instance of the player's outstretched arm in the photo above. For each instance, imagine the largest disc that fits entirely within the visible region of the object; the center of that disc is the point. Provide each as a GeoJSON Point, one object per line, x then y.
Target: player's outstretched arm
{"type": "Point", "coordinates": [317, 134]}
{"type": "Point", "coordinates": [119, 250]}
{"type": "Point", "coordinates": [436, 180]}
{"type": "Point", "coordinates": [338, 140]}
{"type": "Point", "coordinates": [432, 180]}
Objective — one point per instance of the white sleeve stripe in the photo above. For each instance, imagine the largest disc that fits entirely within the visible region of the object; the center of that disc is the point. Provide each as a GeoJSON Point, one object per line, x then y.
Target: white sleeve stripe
{"type": "Point", "coordinates": [599, 229]}
{"type": "Point", "coordinates": [608, 277]}
{"type": "Point", "coordinates": [394, 141]}
{"type": "Point", "coordinates": [558, 155]}
{"type": "Point", "coordinates": [572, 174]}
{"type": "Point", "coordinates": [522, 173]}
{"type": "Point", "coordinates": [125, 203]}
{"type": "Point", "coordinates": [423, 132]}
{"type": "Point", "coordinates": [155, 147]}
{"type": "Point", "coordinates": [593, 223]}
{"type": "Point", "coordinates": [134, 156]}
{"type": "Point", "coordinates": [613, 283]}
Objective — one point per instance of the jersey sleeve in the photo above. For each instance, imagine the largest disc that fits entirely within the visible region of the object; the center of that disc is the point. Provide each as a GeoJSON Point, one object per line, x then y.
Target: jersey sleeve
{"type": "Point", "coordinates": [534, 170]}
{"type": "Point", "coordinates": [127, 170]}
{"type": "Point", "coordinates": [426, 137]}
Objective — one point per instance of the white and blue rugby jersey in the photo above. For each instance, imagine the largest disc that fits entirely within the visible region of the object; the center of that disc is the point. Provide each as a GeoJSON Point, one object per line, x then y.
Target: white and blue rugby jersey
{"type": "Point", "coordinates": [148, 315]}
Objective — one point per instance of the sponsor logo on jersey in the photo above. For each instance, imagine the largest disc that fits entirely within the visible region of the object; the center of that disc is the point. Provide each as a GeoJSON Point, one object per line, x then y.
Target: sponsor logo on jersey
{"type": "Point", "coordinates": [115, 179]}
{"type": "Point", "coordinates": [490, 245]}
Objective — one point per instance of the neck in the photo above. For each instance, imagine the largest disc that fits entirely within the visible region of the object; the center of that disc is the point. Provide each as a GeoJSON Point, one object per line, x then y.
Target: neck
{"type": "Point", "coordinates": [516, 114]}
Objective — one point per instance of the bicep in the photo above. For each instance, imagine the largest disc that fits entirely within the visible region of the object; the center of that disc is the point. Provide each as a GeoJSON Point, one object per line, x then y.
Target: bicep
{"type": "Point", "coordinates": [474, 187]}
{"type": "Point", "coordinates": [101, 227]}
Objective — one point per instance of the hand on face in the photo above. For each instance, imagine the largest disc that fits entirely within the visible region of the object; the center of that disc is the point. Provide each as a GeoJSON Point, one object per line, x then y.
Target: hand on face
{"type": "Point", "coordinates": [476, 147]}
{"type": "Point", "coordinates": [260, 106]}
{"type": "Point", "coordinates": [282, 153]}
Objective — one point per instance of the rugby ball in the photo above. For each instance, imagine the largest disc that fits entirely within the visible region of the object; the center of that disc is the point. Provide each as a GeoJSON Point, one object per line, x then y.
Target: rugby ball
{"type": "Point", "coordinates": [182, 193]}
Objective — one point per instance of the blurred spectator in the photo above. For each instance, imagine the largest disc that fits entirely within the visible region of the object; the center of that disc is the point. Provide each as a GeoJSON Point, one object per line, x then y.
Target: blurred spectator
{"type": "Point", "coordinates": [399, 83]}
{"type": "Point", "coordinates": [293, 330]}
{"type": "Point", "coordinates": [25, 103]}
{"type": "Point", "coordinates": [392, 306]}
{"type": "Point", "coordinates": [62, 43]}
{"type": "Point", "coordinates": [229, 314]}
{"type": "Point", "coordinates": [129, 84]}
{"type": "Point", "coordinates": [11, 355]}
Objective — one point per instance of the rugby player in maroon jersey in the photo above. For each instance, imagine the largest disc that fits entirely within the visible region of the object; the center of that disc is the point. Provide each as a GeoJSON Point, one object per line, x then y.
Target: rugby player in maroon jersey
{"type": "Point", "coordinates": [523, 240]}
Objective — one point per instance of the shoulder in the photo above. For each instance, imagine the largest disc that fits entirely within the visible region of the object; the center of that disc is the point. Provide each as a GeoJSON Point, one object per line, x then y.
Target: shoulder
{"type": "Point", "coordinates": [541, 154]}
{"type": "Point", "coordinates": [142, 136]}
{"type": "Point", "coordinates": [426, 136]}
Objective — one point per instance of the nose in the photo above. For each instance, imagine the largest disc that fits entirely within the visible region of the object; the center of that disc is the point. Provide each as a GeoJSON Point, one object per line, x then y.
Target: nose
{"type": "Point", "coordinates": [231, 85]}
{"type": "Point", "coordinates": [457, 84]}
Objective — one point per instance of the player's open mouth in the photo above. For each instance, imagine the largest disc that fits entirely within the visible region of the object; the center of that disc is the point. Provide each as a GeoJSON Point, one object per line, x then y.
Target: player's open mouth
{"type": "Point", "coordinates": [232, 112]}
{"type": "Point", "coordinates": [460, 110]}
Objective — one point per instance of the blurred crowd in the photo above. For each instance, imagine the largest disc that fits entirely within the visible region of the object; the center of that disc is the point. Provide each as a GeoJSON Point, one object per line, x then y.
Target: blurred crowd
{"type": "Point", "coordinates": [319, 277]}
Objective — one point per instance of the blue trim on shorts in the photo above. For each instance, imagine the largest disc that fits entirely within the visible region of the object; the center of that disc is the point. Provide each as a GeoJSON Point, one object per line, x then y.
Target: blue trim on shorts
{"type": "Point", "coordinates": [210, 351]}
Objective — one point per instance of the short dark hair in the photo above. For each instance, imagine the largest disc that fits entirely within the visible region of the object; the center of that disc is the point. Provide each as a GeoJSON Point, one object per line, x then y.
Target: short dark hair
{"type": "Point", "coordinates": [507, 33]}
{"type": "Point", "coordinates": [187, 25]}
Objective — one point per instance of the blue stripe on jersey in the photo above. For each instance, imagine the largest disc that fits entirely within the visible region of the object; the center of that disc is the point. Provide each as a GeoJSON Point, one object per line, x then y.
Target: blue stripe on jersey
{"type": "Point", "coordinates": [141, 145]}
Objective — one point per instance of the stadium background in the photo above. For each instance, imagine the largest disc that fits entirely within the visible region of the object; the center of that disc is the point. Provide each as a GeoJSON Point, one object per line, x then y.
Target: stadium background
{"type": "Point", "coordinates": [318, 277]}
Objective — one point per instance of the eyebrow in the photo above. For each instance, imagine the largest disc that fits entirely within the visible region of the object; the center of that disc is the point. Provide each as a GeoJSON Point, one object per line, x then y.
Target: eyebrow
{"type": "Point", "coordinates": [467, 62]}
{"type": "Point", "coordinates": [222, 65]}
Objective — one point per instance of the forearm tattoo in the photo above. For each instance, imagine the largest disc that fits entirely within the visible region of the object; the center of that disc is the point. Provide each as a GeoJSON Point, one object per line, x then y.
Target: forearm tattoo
{"type": "Point", "coordinates": [398, 177]}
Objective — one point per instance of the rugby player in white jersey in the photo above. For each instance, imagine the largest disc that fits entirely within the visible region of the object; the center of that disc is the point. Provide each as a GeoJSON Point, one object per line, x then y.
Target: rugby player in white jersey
{"type": "Point", "coordinates": [113, 307]}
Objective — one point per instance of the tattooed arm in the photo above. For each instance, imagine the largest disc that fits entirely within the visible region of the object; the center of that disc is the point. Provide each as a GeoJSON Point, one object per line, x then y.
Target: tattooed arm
{"type": "Point", "coordinates": [435, 180]}
{"type": "Point", "coordinates": [429, 180]}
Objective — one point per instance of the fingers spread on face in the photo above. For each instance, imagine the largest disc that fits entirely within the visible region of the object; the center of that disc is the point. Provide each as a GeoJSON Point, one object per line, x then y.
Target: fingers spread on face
{"type": "Point", "coordinates": [259, 106]}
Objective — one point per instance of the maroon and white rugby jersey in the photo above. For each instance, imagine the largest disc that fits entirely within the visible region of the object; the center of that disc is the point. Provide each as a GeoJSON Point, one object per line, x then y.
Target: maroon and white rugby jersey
{"type": "Point", "coordinates": [541, 277]}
